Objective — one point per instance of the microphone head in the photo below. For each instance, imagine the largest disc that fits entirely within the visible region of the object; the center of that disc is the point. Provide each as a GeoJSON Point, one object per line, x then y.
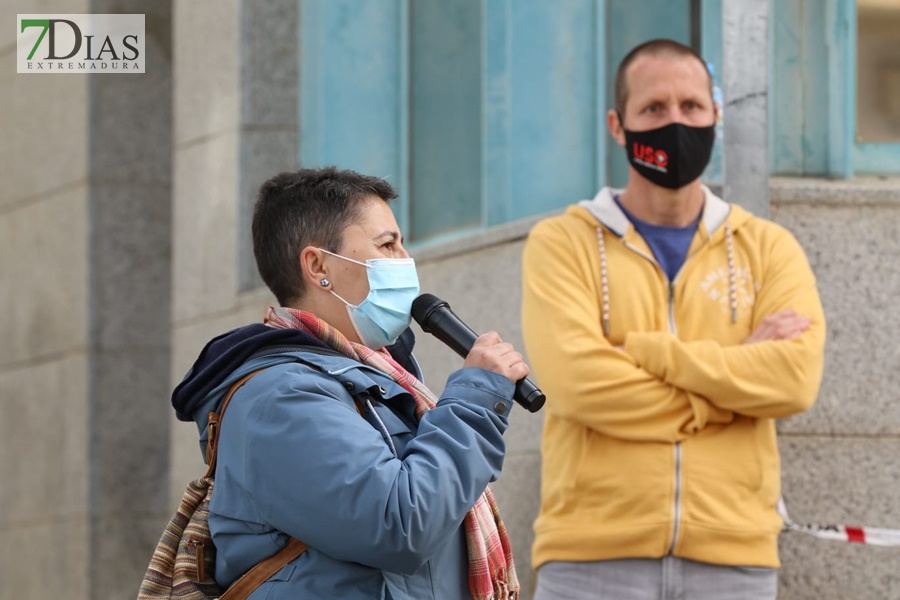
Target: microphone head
{"type": "Point", "coordinates": [423, 306]}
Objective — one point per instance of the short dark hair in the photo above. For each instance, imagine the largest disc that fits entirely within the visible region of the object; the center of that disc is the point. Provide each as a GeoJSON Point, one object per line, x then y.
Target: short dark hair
{"type": "Point", "coordinates": [302, 208]}
{"type": "Point", "coordinates": [657, 47]}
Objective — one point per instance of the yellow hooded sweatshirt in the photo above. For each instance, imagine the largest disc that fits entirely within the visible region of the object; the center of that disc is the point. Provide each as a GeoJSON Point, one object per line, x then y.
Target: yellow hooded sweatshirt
{"type": "Point", "coordinates": [659, 432]}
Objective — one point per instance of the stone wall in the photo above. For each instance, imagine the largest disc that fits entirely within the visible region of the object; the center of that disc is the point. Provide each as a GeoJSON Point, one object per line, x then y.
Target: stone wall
{"type": "Point", "coordinates": [839, 460]}
{"type": "Point", "coordinates": [85, 268]}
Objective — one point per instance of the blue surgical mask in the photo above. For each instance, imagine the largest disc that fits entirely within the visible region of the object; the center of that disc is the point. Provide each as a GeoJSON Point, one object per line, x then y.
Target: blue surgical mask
{"type": "Point", "coordinates": [386, 311]}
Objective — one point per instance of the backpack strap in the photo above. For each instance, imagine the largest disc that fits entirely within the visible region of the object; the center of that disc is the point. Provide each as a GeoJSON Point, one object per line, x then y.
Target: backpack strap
{"type": "Point", "coordinates": [214, 421]}
{"type": "Point", "coordinates": [262, 571]}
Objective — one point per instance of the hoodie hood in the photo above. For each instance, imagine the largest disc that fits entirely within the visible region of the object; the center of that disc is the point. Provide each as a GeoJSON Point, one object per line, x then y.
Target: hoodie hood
{"type": "Point", "coordinates": [716, 212]}
{"type": "Point", "coordinates": [224, 354]}
{"type": "Point", "coordinates": [718, 223]}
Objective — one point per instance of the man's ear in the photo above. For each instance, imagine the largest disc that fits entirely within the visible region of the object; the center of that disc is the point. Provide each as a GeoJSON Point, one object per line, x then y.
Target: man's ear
{"type": "Point", "coordinates": [312, 264]}
{"type": "Point", "coordinates": [614, 124]}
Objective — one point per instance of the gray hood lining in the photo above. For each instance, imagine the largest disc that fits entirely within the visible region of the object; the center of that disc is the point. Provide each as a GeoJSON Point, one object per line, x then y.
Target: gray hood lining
{"type": "Point", "coordinates": [605, 209]}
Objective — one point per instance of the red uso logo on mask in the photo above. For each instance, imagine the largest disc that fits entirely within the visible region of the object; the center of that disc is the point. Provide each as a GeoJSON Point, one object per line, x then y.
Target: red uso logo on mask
{"type": "Point", "coordinates": [650, 156]}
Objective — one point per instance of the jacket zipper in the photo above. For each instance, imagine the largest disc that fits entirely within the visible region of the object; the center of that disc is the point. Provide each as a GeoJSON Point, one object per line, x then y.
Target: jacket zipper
{"type": "Point", "coordinates": [676, 506]}
{"type": "Point", "coordinates": [676, 527]}
{"type": "Point", "coordinates": [672, 328]}
{"type": "Point", "coordinates": [676, 510]}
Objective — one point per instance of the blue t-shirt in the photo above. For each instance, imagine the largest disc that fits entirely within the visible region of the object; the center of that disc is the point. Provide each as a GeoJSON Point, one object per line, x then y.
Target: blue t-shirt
{"type": "Point", "coordinates": [669, 244]}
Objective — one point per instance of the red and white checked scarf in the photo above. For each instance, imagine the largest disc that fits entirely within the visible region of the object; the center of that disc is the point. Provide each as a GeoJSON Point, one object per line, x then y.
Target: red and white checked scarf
{"type": "Point", "coordinates": [492, 574]}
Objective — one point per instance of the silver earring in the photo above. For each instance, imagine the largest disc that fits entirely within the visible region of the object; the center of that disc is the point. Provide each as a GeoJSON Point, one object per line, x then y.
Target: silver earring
{"type": "Point", "coordinates": [324, 282]}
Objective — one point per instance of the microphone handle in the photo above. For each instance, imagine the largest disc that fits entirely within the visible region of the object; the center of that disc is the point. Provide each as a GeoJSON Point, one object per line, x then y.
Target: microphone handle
{"type": "Point", "coordinates": [448, 328]}
{"type": "Point", "coordinates": [460, 338]}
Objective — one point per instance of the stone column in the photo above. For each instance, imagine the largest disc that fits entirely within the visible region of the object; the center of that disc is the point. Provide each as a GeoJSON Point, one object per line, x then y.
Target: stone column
{"type": "Point", "coordinates": [129, 274]}
{"type": "Point", "coordinates": [745, 51]}
{"type": "Point", "coordinates": [236, 112]}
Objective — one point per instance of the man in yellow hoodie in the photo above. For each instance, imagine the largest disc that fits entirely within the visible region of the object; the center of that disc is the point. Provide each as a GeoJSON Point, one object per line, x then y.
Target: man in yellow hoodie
{"type": "Point", "coordinates": [669, 329]}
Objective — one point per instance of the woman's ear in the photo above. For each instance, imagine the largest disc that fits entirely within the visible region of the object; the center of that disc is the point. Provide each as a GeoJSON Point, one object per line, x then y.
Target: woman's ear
{"type": "Point", "coordinates": [312, 262]}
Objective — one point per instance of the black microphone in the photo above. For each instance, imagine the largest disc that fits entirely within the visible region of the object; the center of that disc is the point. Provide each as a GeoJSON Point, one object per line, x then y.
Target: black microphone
{"type": "Point", "coordinates": [435, 317]}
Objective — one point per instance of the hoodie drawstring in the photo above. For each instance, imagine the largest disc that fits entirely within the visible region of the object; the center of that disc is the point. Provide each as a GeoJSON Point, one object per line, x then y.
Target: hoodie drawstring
{"type": "Point", "coordinates": [604, 282]}
{"type": "Point", "coordinates": [732, 276]}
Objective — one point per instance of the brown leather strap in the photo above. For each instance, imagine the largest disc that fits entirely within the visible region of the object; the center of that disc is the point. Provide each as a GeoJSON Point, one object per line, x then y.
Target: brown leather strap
{"type": "Point", "coordinates": [215, 422]}
{"type": "Point", "coordinates": [255, 577]}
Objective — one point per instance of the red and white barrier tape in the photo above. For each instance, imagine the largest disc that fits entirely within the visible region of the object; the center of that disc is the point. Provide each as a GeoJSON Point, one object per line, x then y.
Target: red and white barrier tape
{"type": "Point", "coordinates": [842, 533]}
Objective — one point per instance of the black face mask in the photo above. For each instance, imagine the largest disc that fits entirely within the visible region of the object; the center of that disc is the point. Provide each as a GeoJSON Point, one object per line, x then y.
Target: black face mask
{"type": "Point", "coordinates": [670, 156]}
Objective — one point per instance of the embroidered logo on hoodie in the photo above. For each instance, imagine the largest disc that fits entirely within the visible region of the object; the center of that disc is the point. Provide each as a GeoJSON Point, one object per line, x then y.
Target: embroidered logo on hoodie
{"type": "Point", "coordinates": [715, 285]}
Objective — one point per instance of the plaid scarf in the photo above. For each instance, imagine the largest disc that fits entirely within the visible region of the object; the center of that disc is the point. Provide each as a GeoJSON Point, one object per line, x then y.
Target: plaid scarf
{"type": "Point", "coordinates": [492, 574]}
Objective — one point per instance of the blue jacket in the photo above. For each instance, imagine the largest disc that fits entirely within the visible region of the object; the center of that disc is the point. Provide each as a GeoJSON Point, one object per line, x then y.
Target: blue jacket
{"type": "Point", "coordinates": [380, 498]}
